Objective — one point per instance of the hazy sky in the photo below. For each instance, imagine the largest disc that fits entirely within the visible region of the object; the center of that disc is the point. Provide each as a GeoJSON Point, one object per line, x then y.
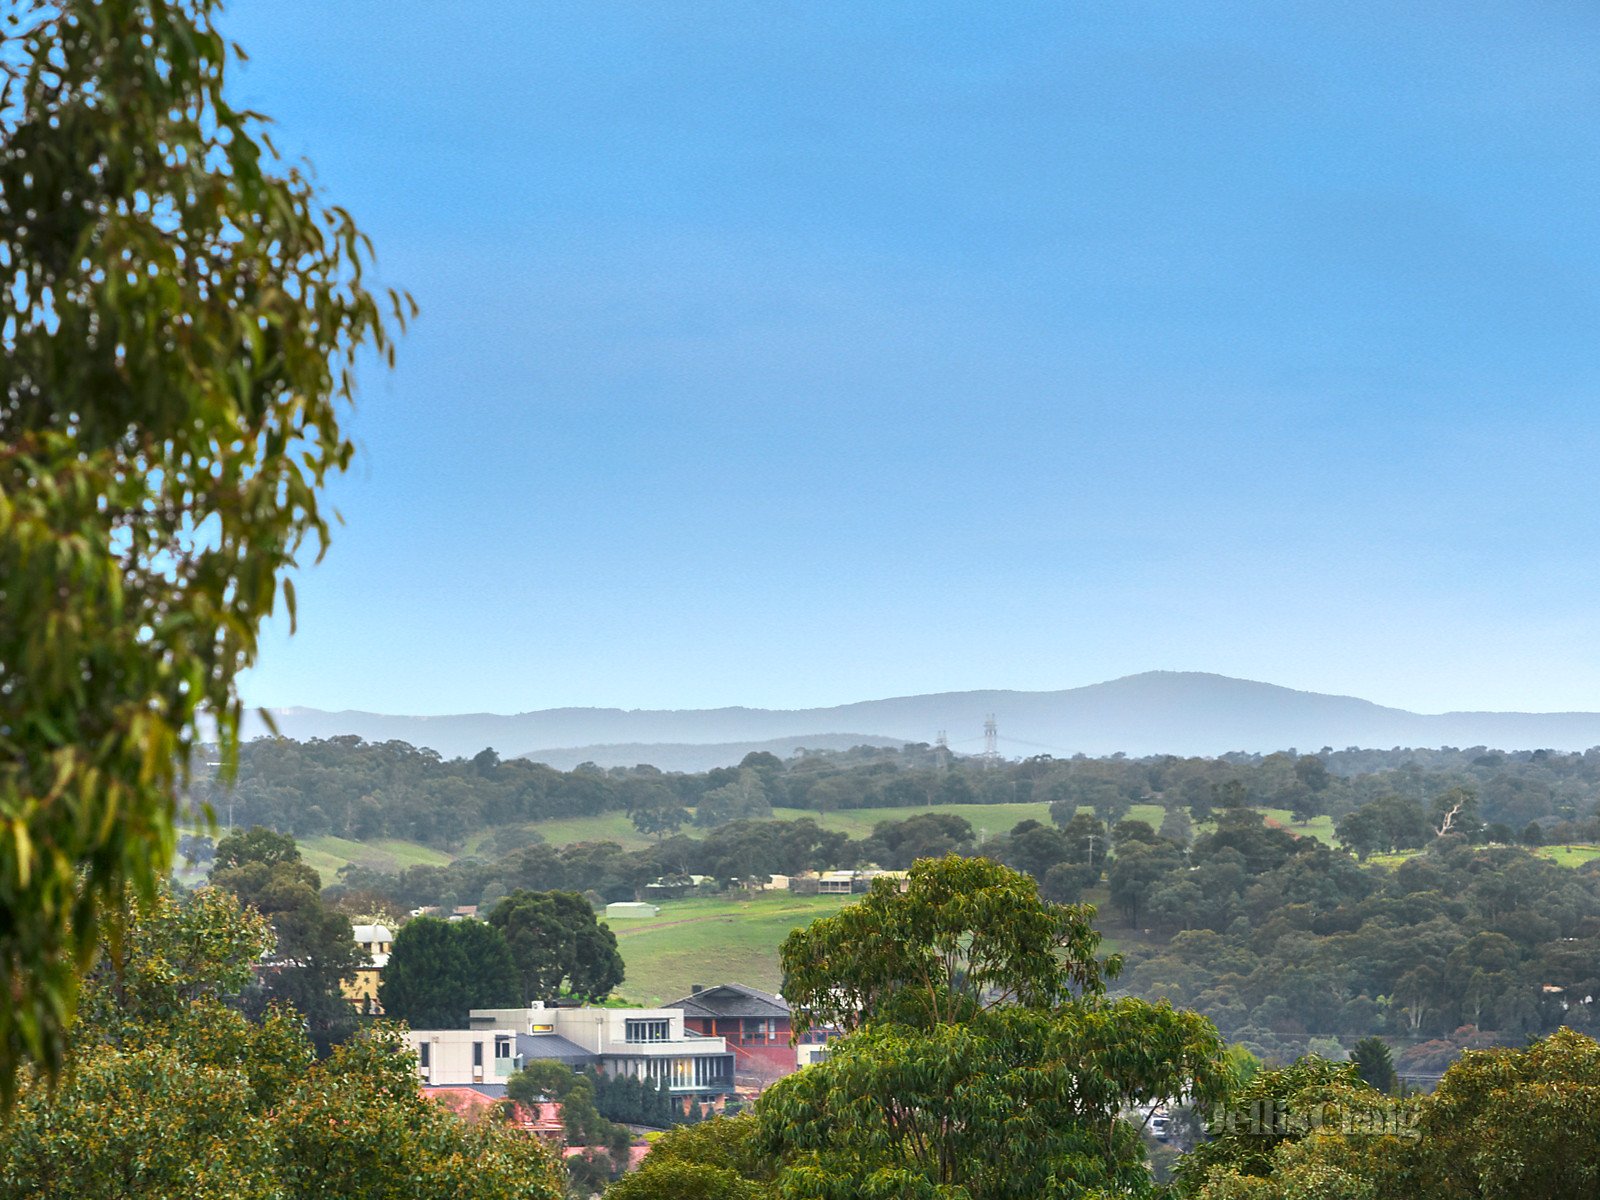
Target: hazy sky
{"type": "Point", "coordinates": [785, 354]}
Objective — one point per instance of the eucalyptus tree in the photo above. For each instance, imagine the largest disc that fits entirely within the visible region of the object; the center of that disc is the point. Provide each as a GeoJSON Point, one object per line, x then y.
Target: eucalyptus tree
{"type": "Point", "coordinates": [180, 317]}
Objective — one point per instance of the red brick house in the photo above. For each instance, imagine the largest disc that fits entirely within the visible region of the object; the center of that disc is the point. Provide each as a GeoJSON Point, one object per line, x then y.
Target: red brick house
{"type": "Point", "coordinates": [754, 1023]}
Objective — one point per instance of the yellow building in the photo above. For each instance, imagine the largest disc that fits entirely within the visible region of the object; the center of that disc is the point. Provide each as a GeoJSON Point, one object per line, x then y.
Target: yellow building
{"type": "Point", "coordinates": [362, 990]}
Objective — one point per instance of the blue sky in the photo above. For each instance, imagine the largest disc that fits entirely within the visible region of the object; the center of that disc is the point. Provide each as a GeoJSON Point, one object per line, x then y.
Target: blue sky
{"type": "Point", "coordinates": [790, 354]}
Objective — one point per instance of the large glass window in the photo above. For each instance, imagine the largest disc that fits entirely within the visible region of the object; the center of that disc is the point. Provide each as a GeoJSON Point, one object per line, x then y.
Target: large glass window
{"type": "Point", "coordinates": [647, 1031]}
{"type": "Point", "coordinates": [710, 1072]}
{"type": "Point", "coordinates": [477, 1054]}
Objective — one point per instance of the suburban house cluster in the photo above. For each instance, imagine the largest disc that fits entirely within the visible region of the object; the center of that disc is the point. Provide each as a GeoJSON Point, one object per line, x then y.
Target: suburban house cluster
{"type": "Point", "coordinates": [719, 1043]}
{"type": "Point", "coordinates": [714, 1044]}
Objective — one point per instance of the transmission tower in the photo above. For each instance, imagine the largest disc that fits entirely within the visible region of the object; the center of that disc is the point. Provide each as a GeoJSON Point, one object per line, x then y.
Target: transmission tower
{"type": "Point", "coordinates": [991, 742]}
{"type": "Point", "coordinates": [941, 751]}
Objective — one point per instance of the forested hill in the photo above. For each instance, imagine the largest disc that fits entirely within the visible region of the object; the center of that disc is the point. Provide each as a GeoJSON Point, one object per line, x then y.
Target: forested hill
{"type": "Point", "coordinates": [1461, 892]}
{"type": "Point", "coordinates": [1159, 712]}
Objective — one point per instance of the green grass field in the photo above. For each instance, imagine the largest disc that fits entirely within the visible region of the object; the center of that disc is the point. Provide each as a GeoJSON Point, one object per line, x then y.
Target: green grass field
{"type": "Point", "coordinates": [718, 939]}
{"type": "Point", "coordinates": [1320, 828]}
{"type": "Point", "coordinates": [1569, 856]}
{"type": "Point", "coordinates": [607, 827]}
{"type": "Point", "coordinates": [1391, 860]}
{"type": "Point", "coordinates": [328, 853]}
{"type": "Point", "coordinates": [1575, 855]}
{"type": "Point", "coordinates": [712, 940]}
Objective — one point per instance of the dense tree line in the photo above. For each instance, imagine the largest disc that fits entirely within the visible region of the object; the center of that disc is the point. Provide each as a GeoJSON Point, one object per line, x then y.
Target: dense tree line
{"type": "Point", "coordinates": [604, 870]}
{"type": "Point", "coordinates": [1279, 939]}
{"type": "Point", "coordinates": [364, 790]}
{"type": "Point", "coordinates": [1283, 941]}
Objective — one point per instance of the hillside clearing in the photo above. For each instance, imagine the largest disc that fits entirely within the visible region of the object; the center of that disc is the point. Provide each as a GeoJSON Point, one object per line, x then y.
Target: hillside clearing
{"type": "Point", "coordinates": [710, 940]}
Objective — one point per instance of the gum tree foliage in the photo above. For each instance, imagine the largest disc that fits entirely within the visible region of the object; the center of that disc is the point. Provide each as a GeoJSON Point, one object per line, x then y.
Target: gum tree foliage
{"type": "Point", "coordinates": [438, 971]}
{"type": "Point", "coordinates": [171, 1092]}
{"type": "Point", "coordinates": [314, 951]}
{"type": "Point", "coordinates": [575, 1091]}
{"type": "Point", "coordinates": [1503, 1125]}
{"type": "Point", "coordinates": [968, 934]}
{"type": "Point", "coordinates": [983, 1059]}
{"type": "Point", "coordinates": [179, 318]}
{"type": "Point", "coordinates": [1266, 1112]}
{"type": "Point", "coordinates": [558, 945]}
{"type": "Point", "coordinates": [1508, 1123]}
{"type": "Point", "coordinates": [717, 1160]}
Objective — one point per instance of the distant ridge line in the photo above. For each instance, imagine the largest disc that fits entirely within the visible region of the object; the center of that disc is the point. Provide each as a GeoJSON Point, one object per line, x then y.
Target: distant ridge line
{"type": "Point", "coordinates": [1155, 712]}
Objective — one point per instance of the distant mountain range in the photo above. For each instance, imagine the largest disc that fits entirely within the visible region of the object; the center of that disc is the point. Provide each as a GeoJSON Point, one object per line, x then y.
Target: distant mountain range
{"type": "Point", "coordinates": [1158, 712]}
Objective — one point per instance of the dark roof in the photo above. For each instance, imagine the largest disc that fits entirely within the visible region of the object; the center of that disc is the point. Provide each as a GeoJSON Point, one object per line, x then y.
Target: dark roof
{"type": "Point", "coordinates": [732, 1000]}
{"type": "Point", "coordinates": [553, 1046]}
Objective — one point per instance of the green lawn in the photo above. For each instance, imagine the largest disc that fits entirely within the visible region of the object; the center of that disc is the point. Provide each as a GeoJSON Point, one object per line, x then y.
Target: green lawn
{"type": "Point", "coordinates": [1391, 860]}
{"type": "Point", "coordinates": [712, 940]}
{"type": "Point", "coordinates": [328, 853]}
{"type": "Point", "coordinates": [1574, 855]}
{"type": "Point", "coordinates": [718, 939]}
{"type": "Point", "coordinates": [1320, 828]}
{"type": "Point", "coordinates": [1569, 856]}
{"type": "Point", "coordinates": [607, 827]}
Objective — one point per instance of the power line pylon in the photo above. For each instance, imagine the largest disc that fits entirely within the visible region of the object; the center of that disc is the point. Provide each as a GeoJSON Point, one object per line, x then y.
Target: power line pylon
{"type": "Point", "coordinates": [991, 742]}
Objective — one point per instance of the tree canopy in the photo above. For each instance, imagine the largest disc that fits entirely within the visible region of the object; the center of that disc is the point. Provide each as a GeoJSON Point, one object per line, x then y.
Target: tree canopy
{"type": "Point", "coordinates": [178, 328]}
{"type": "Point", "coordinates": [558, 945]}
{"type": "Point", "coordinates": [313, 951]}
{"type": "Point", "coordinates": [982, 1060]}
{"type": "Point", "coordinates": [438, 971]}
{"type": "Point", "coordinates": [1510, 1122]}
{"type": "Point", "coordinates": [171, 1092]}
{"type": "Point", "coordinates": [965, 934]}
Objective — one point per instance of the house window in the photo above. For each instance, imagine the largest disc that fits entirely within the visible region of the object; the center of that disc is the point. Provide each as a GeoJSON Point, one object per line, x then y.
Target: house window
{"type": "Point", "coordinates": [682, 1072]}
{"type": "Point", "coordinates": [424, 1056]}
{"type": "Point", "coordinates": [756, 1030]}
{"type": "Point", "coordinates": [477, 1054]}
{"type": "Point", "coordinates": [647, 1031]}
{"type": "Point", "coordinates": [502, 1047]}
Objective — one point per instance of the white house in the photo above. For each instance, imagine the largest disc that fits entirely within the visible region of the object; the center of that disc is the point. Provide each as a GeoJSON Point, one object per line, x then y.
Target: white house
{"type": "Point", "coordinates": [642, 1043]}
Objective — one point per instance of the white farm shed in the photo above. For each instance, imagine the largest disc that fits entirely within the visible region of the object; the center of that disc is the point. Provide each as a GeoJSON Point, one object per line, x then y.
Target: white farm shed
{"type": "Point", "coordinates": [629, 910]}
